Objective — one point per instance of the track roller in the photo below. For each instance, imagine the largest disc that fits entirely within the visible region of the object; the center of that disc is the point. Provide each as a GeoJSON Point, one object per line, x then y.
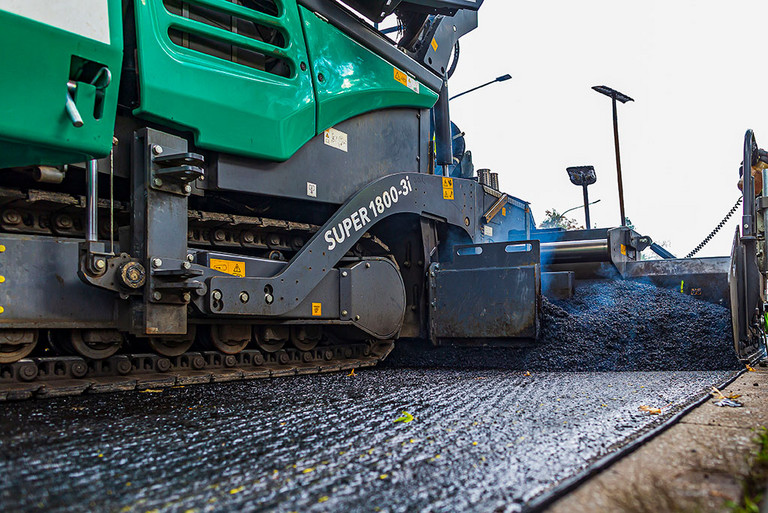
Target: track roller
{"type": "Point", "coordinates": [94, 344]}
{"type": "Point", "coordinates": [228, 338]}
{"type": "Point", "coordinates": [173, 345]}
{"type": "Point", "coordinates": [271, 338]}
{"type": "Point", "coordinates": [305, 338]}
{"type": "Point", "coordinates": [16, 344]}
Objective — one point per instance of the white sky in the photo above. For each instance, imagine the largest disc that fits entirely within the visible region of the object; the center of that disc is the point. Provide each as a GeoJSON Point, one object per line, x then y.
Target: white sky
{"type": "Point", "coordinates": [698, 73]}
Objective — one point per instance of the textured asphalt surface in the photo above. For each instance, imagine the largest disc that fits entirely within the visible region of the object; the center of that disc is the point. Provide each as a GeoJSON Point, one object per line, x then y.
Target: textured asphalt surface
{"type": "Point", "coordinates": [480, 440]}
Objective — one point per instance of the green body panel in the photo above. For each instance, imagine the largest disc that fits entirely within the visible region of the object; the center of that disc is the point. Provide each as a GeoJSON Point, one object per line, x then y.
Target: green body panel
{"type": "Point", "coordinates": [37, 63]}
{"type": "Point", "coordinates": [228, 106]}
{"type": "Point", "coordinates": [355, 80]}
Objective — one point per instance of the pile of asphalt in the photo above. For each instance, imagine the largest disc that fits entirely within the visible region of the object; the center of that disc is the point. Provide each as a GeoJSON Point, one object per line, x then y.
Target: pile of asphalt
{"type": "Point", "coordinates": [609, 325]}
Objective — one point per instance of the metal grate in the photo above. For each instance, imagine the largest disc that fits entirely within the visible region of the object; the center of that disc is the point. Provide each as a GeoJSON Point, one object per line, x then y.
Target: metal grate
{"type": "Point", "coordinates": [245, 32]}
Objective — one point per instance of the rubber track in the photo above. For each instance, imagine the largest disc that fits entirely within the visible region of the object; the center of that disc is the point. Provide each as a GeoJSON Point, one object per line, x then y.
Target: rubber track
{"type": "Point", "coordinates": [68, 375]}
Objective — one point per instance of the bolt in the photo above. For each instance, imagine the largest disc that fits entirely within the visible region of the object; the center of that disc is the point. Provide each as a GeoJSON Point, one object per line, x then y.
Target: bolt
{"type": "Point", "coordinates": [219, 235]}
{"type": "Point", "coordinates": [320, 77]}
{"type": "Point", "coordinates": [216, 295]}
{"type": "Point", "coordinates": [357, 317]}
{"type": "Point", "coordinates": [157, 149]}
{"type": "Point", "coordinates": [466, 221]}
{"type": "Point", "coordinates": [187, 188]}
{"type": "Point", "coordinates": [367, 265]}
{"type": "Point", "coordinates": [244, 297]}
{"type": "Point", "coordinates": [157, 182]}
{"type": "Point", "coordinates": [190, 257]}
{"type": "Point", "coordinates": [186, 265]}
{"type": "Point", "coordinates": [343, 313]}
{"type": "Point", "coordinates": [344, 273]}
{"type": "Point", "coordinates": [248, 237]}
{"type": "Point", "coordinates": [303, 66]}
{"type": "Point", "coordinates": [11, 217]}
{"type": "Point", "coordinates": [268, 298]}
{"type": "Point", "coordinates": [63, 222]}
{"type": "Point", "coordinates": [186, 297]}
{"type": "Point", "coordinates": [157, 296]}
{"type": "Point", "coordinates": [156, 262]}
{"type": "Point", "coordinates": [100, 264]}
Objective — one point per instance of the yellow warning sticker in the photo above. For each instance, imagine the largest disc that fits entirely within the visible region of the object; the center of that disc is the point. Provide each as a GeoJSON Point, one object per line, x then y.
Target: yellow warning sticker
{"type": "Point", "coordinates": [434, 45]}
{"type": "Point", "coordinates": [410, 83]}
{"type": "Point", "coordinates": [504, 211]}
{"type": "Point", "coordinates": [448, 188]}
{"type": "Point", "coordinates": [233, 267]}
{"type": "Point", "coordinates": [623, 250]}
{"type": "Point", "coordinates": [401, 77]}
{"type": "Point", "coordinates": [317, 309]}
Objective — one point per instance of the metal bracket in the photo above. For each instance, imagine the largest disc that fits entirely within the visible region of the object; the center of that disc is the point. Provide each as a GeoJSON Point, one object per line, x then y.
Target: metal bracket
{"type": "Point", "coordinates": [452, 201]}
{"type": "Point", "coordinates": [172, 281]}
{"type": "Point", "coordinates": [175, 172]}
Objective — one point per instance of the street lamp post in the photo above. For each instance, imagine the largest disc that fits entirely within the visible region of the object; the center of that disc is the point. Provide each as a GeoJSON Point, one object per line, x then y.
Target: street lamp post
{"type": "Point", "coordinates": [615, 95]}
{"type": "Point", "coordinates": [502, 78]}
{"type": "Point", "coordinates": [583, 176]}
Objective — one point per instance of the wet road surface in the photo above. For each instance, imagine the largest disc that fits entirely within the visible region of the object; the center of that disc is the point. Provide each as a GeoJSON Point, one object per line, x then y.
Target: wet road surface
{"type": "Point", "coordinates": [479, 440]}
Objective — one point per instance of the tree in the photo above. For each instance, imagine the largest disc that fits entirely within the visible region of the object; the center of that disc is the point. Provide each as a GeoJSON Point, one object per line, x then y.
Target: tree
{"type": "Point", "coordinates": [554, 219]}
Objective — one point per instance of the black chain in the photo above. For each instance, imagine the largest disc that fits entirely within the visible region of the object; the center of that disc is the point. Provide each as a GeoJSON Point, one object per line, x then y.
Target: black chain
{"type": "Point", "coordinates": [717, 229]}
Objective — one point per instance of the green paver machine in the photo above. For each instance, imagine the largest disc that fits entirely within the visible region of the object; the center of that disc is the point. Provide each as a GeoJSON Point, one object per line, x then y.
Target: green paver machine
{"type": "Point", "coordinates": [245, 188]}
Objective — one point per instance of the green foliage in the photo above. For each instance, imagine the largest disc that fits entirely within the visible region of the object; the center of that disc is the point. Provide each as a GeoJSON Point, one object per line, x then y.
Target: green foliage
{"type": "Point", "coordinates": [753, 484]}
{"type": "Point", "coordinates": [554, 219]}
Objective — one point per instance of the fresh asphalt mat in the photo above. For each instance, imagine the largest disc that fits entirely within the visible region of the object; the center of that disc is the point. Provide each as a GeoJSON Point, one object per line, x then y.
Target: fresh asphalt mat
{"type": "Point", "coordinates": [479, 440]}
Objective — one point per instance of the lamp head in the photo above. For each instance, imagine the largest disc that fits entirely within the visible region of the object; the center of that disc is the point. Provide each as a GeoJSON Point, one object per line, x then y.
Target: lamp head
{"type": "Point", "coordinates": [582, 175]}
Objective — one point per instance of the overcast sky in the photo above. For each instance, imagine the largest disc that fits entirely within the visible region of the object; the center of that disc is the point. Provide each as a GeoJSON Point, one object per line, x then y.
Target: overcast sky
{"type": "Point", "coordinates": [698, 71]}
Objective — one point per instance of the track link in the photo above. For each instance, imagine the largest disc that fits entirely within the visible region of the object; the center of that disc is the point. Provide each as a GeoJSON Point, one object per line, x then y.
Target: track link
{"type": "Point", "coordinates": [69, 375]}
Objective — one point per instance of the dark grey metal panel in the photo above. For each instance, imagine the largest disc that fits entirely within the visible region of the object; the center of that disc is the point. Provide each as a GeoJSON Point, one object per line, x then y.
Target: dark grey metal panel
{"type": "Point", "coordinates": [159, 230]}
{"type": "Point", "coordinates": [558, 285]}
{"type": "Point", "coordinates": [705, 278]}
{"type": "Point", "coordinates": [488, 291]}
{"type": "Point", "coordinates": [485, 303]}
{"type": "Point", "coordinates": [41, 288]}
{"type": "Point", "coordinates": [379, 143]}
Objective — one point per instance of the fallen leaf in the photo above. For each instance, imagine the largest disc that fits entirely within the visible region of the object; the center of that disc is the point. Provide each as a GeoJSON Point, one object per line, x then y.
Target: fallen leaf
{"type": "Point", "coordinates": [729, 402]}
{"type": "Point", "coordinates": [233, 491]}
{"type": "Point", "coordinates": [405, 418]}
{"type": "Point", "coordinates": [648, 409]}
{"type": "Point", "coordinates": [307, 470]}
{"type": "Point", "coordinates": [527, 373]}
{"type": "Point", "coordinates": [352, 373]}
{"type": "Point", "coordinates": [151, 391]}
{"type": "Point", "coordinates": [749, 368]}
{"type": "Point", "coordinates": [323, 498]}
{"type": "Point", "coordinates": [383, 476]}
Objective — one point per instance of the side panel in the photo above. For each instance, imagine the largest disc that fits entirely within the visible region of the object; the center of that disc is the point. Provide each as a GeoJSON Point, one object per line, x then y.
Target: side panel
{"type": "Point", "coordinates": [40, 286]}
{"type": "Point", "coordinates": [350, 79]}
{"type": "Point", "coordinates": [218, 79]}
{"type": "Point", "coordinates": [378, 143]}
{"type": "Point", "coordinates": [38, 60]}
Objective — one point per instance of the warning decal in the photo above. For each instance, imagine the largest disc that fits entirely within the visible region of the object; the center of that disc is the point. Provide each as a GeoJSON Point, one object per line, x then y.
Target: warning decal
{"type": "Point", "coordinates": [448, 188]}
{"type": "Point", "coordinates": [233, 267]}
{"type": "Point", "coordinates": [434, 45]}
{"type": "Point", "coordinates": [317, 309]}
{"type": "Point", "coordinates": [407, 81]}
{"type": "Point", "coordinates": [401, 77]}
